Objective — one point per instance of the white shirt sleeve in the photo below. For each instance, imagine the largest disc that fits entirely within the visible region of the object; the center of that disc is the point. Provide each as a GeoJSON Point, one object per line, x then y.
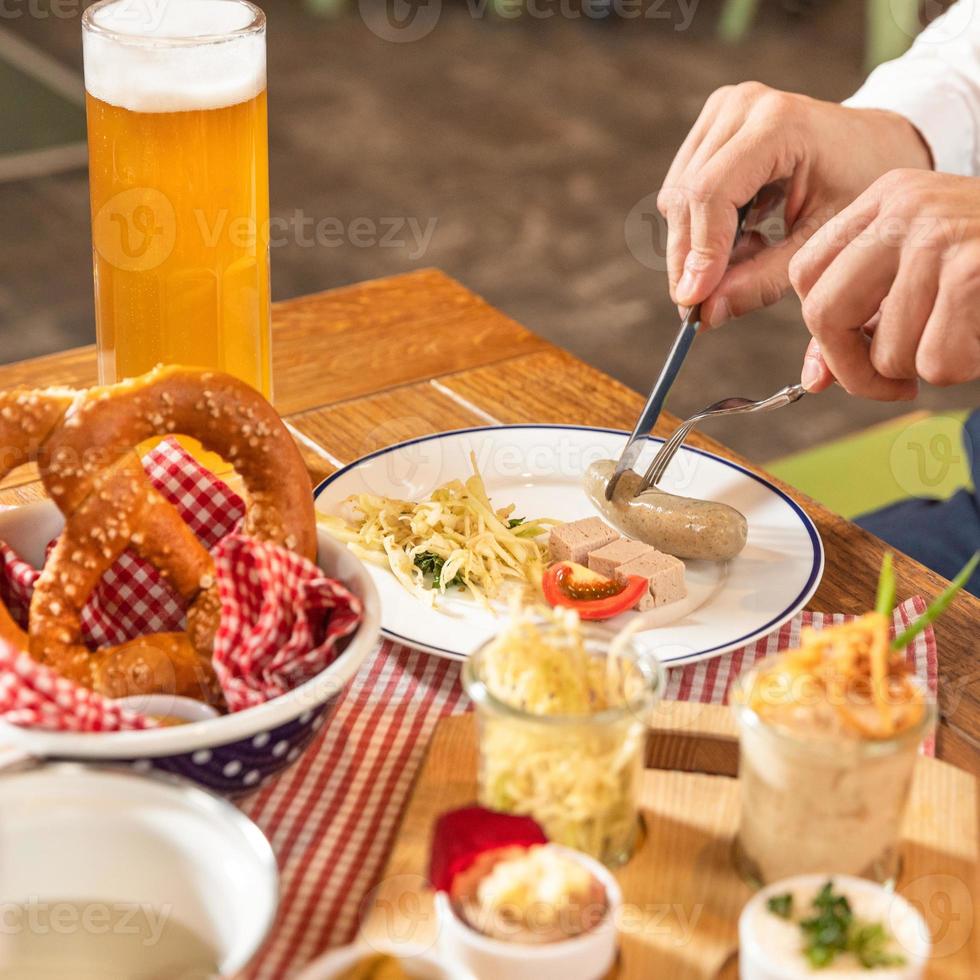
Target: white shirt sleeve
{"type": "Point", "coordinates": [936, 86]}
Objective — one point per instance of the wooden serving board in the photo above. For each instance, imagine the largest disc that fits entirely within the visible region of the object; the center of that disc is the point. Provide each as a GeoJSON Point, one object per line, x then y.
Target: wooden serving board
{"type": "Point", "coordinates": [682, 893]}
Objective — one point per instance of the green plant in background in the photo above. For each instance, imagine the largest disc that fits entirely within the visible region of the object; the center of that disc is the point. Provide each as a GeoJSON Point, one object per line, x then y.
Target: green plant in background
{"type": "Point", "coordinates": [891, 26]}
{"type": "Point", "coordinates": [327, 8]}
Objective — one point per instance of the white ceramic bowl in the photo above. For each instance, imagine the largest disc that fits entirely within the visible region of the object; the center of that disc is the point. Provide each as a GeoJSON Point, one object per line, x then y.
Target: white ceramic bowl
{"type": "Point", "coordinates": [233, 754]}
{"type": "Point", "coordinates": [585, 957]}
{"type": "Point", "coordinates": [769, 946]}
{"type": "Point", "coordinates": [424, 964]}
{"type": "Point", "coordinates": [105, 836]}
{"type": "Point", "coordinates": [171, 705]}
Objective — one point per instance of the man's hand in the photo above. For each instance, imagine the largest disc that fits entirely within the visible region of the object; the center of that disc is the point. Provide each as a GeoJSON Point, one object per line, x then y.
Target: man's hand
{"type": "Point", "coordinates": [891, 288]}
{"type": "Point", "coordinates": [747, 137]}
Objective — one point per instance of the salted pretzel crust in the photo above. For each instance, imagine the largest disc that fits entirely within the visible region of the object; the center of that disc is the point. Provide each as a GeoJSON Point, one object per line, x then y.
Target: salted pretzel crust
{"type": "Point", "coordinates": [85, 443]}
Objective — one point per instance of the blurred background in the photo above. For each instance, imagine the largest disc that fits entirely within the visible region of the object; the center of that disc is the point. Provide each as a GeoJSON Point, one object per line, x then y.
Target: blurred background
{"type": "Point", "coordinates": [516, 144]}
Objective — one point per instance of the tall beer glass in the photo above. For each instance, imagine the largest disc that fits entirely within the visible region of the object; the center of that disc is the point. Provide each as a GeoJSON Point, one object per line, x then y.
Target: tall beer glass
{"type": "Point", "coordinates": [178, 172]}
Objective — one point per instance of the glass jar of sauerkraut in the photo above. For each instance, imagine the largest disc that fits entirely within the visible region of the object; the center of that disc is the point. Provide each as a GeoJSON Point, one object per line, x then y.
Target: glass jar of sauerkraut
{"type": "Point", "coordinates": [563, 721]}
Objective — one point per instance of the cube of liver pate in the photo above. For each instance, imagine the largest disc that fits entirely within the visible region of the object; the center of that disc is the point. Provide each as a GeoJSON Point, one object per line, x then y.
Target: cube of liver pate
{"type": "Point", "coordinates": [665, 573]}
{"type": "Point", "coordinates": [574, 541]}
{"type": "Point", "coordinates": [606, 560]}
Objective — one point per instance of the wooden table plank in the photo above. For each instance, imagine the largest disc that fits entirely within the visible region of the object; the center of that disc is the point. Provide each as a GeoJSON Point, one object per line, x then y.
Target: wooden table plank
{"type": "Point", "coordinates": [353, 429]}
{"type": "Point", "coordinates": [26, 494]}
{"type": "Point", "coordinates": [550, 386]}
{"type": "Point", "coordinates": [75, 368]}
{"type": "Point", "coordinates": [356, 341]}
{"type": "Point", "coordinates": [20, 477]}
{"type": "Point", "coordinates": [350, 342]}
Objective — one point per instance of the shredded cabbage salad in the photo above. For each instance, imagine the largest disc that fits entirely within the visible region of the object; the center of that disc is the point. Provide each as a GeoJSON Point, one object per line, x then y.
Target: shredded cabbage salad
{"type": "Point", "coordinates": [580, 779]}
{"type": "Point", "coordinates": [452, 539]}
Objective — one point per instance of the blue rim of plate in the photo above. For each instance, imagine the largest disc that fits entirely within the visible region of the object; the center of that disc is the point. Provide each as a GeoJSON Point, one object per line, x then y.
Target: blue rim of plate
{"type": "Point", "coordinates": [804, 596]}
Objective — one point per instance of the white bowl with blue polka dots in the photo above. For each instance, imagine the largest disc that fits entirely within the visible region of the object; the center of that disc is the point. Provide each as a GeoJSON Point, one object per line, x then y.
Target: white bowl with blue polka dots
{"type": "Point", "coordinates": [233, 754]}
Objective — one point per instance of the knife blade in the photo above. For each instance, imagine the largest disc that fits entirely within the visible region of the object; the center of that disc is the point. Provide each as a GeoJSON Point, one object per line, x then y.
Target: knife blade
{"type": "Point", "coordinates": [655, 403]}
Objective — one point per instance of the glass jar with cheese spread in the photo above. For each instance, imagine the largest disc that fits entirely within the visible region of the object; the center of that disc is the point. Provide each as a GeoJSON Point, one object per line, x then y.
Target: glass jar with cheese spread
{"type": "Point", "coordinates": [826, 763]}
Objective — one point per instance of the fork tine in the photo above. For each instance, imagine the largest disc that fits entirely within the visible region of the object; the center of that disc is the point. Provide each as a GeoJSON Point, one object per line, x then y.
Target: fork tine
{"type": "Point", "coordinates": [663, 458]}
{"type": "Point", "coordinates": [727, 406]}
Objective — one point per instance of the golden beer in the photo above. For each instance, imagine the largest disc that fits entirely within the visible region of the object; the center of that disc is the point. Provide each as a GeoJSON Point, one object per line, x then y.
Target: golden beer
{"type": "Point", "coordinates": [178, 173]}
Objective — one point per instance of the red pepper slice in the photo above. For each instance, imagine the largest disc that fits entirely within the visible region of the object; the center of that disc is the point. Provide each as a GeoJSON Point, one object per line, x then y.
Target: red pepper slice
{"type": "Point", "coordinates": [461, 837]}
{"type": "Point", "coordinates": [591, 595]}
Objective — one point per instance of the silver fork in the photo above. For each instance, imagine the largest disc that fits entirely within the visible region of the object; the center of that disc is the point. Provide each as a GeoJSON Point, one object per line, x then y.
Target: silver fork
{"type": "Point", "coordinates": [727, 406]}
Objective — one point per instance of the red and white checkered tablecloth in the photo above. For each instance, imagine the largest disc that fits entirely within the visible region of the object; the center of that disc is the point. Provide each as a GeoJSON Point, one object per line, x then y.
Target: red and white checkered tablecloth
{"type": "Point", "coordinates": [332, 818]}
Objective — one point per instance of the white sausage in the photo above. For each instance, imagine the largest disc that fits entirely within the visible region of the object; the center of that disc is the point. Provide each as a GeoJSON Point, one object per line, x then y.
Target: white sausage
{"type": "Point", "coordinates": [681, 526]}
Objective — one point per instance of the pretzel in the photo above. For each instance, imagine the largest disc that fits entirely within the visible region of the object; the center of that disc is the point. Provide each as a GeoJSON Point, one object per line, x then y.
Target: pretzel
{"type": "Point", "coordinates": [84, 443]}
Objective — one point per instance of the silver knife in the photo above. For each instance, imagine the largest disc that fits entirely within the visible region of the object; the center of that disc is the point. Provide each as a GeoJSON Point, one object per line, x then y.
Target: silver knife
{"type": "Point", "coordinates": [655, 403]}
{"type": "Point", "coordinates": [668, 375]}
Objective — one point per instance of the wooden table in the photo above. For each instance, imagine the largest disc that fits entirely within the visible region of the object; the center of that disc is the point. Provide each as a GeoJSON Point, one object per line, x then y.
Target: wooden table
{"type": "Point", "coordinates": [362, 367]}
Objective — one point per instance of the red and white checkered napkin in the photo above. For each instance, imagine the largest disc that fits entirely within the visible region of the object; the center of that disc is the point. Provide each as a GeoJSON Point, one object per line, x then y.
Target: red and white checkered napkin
{"type": "Point", "coordinates": [332, 818]}
{"type": "Point", "coordinates": [36, 697]}
{"type": "Point", "coordinates": [281, 620]}
{"type": "Point", "coordinates": [281, 617]}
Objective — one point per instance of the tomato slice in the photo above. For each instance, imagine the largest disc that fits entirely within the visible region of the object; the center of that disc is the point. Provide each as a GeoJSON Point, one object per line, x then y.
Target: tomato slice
{"type": "Point", "coordinates": [591, 595]}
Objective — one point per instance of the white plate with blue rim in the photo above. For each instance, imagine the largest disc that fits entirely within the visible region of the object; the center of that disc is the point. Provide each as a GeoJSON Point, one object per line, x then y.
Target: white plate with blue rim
{"type": "Point", "coordinates": [539, 469]}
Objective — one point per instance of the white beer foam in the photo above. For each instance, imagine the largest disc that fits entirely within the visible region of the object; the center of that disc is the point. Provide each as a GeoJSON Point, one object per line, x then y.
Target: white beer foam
{"type": "Point", "coordinates": [144, 65]}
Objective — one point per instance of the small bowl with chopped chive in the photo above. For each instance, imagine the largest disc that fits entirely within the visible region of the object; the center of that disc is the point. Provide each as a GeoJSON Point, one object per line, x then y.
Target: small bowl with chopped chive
{"type": "Point", "coordinates": [837, 926]}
